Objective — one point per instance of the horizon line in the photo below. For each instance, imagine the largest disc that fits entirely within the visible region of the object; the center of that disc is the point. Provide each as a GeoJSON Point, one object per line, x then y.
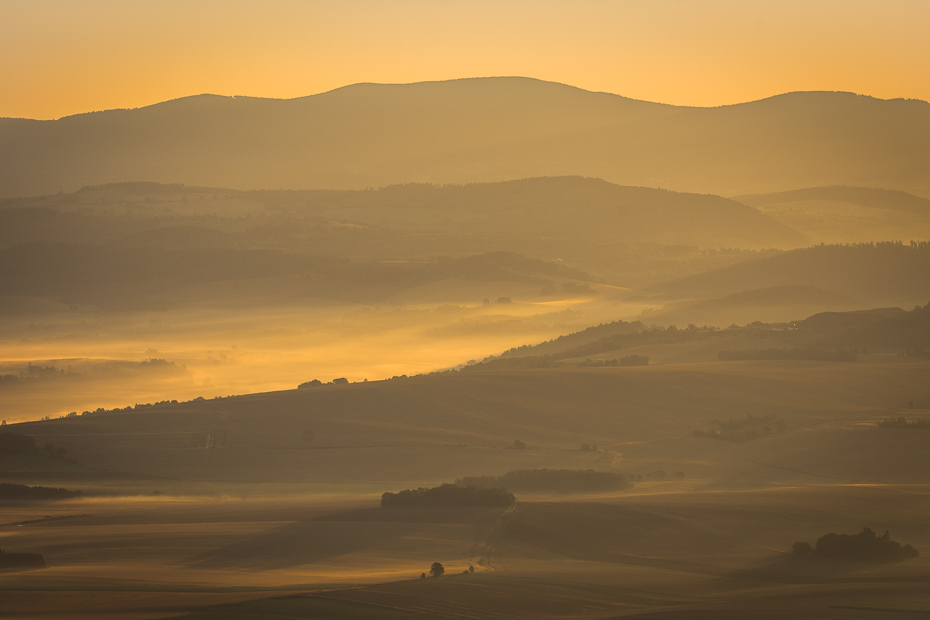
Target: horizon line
{"type": "Point", "coordinates": [462, 79]}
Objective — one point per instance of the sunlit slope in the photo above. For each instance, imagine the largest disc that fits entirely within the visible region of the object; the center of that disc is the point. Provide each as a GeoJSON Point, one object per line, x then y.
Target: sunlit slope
{"type": "Point", "coordinates": [476, 130]}
{"type": "Point", "coordinates": [842, 214]}
{"type": "Point", "coordinates": [445, 426]}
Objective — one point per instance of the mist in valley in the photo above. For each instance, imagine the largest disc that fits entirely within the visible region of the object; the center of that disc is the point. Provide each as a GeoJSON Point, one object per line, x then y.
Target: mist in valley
{"type": "Point", "coordinates": [476, 348]}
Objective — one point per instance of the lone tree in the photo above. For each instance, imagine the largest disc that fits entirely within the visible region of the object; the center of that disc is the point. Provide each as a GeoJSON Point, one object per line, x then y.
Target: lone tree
{"type": "Point", "coordinates": [436, 570]}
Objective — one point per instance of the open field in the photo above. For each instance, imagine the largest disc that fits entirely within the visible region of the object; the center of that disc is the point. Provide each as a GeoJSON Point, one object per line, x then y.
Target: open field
{"type": "Point", "coordinates": [658, 550]}
{"type": "Point", "coordinates": [167, 528]}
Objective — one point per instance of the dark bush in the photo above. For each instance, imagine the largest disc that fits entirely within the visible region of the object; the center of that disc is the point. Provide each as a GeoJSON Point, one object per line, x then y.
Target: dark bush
{"type": "Point", "coordinates": [866, 546]}
{"type": "Point", "coordinates": [448, 495]}
{"type": "Point", "coordinates": [802, 548]}
{"type": "Point", "coordinates": [21, 560]}
{"type": "Point", "coordinates": [437, 569]}
{"type": "Point", "coordinates": [744, 429]}
{"type": "Point", "coordinates": [9, 490]}
{"type": "Point", "coordinates": [630, 360]}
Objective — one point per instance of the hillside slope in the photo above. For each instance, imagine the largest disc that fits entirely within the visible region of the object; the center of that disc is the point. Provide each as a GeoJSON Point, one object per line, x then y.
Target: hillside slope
{"type": "Point", "coordinates": [875, 273]}
{"type": "Point", "coordinates": [841, 214]}
{"type": "Point", "coordinates": [442, 427]}
{"type": "Point", "coordinates": [351, 222]}
{"type": "Point", "coordinates": [483, 129]}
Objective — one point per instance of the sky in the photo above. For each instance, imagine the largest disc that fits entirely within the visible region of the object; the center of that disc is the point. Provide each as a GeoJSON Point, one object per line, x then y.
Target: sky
{"type": "Point", "coordinates": [62, 57]}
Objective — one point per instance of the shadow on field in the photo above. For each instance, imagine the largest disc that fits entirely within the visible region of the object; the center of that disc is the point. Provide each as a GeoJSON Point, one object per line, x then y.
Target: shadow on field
{"type": "Point", "coordinates": [338, 534]}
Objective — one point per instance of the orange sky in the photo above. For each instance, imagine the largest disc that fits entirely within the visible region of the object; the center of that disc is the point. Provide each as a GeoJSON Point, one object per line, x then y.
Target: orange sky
{"type": "Point", "coordinates": [59, 57]}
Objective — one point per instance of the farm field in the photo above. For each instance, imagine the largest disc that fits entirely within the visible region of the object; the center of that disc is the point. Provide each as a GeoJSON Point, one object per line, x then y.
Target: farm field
{"type": "Point", "coordinates": [171, 528]}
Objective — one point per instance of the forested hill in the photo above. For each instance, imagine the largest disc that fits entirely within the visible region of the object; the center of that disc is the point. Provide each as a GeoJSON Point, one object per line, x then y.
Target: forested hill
{"type": "Point", "coordinates": [868, 271]}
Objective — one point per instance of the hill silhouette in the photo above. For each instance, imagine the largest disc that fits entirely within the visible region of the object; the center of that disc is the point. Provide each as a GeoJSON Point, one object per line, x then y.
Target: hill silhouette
{"type": "Point", "coordinates": [147, 276]}
{"type": "Point", "coordinates": [772, 304]}
{"type": "Point", "coordinates": [358, 222]}
{"type": "Point", "coordinates": [841, 214]}
{"type": "Point", "coordinates": [482, 129]}
{"type": "Point", "coordinates": [868, 271]}
{"type": "Point", "coordinates": [558, 206]}
{"type": "Point", "coordinates": [886, 199]}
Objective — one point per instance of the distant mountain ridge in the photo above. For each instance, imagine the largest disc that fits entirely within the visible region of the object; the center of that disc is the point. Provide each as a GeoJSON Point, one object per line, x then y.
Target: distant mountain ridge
{"type": "Point", "coordinates": [482, 129]}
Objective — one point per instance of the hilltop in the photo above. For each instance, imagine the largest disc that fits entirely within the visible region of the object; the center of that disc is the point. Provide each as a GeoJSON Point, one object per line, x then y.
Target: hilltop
{"type": "Point", "coordinates": [482, 129]}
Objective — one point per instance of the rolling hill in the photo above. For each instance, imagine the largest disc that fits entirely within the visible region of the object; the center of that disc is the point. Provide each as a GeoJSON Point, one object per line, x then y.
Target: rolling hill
{"type": "Point", "coordinates": [437, 428]}
{"type": "Point", "coordinates": [875, 273]}
{"type": "Point", "coordinates": [483, 129]}
{"type": "Point", "coordinates": [885, 199]}
{"type": "Point", "coordinates": [842, 214]}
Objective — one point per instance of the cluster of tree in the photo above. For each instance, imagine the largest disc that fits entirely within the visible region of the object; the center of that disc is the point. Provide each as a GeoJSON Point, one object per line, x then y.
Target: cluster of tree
{"type": "Point", "coordinates": [548, 361]}
{"type": "Point", "coordinates": [449, 495]}
{"type": "Point", "coordinates": [571, 341]}
{"type": "Point", "coordinates": [552, 481]}
{"type": "Point", "coordinates": [820, 355]}
{"type": "Point", "coordinates": [34, 373]}
{"type": "Point", "coordinates": [654, 335]}
{"type": "Point", "coordinates": [436, 569]}
{"type": "Point", "coordinates": [14, 444]}
{"type": "Point", "coordinates": [630, 360]}
{"type": "Point", "coordinates": [620, 335]}
{"type": "Point", "coordinates": [317, 383]}
{"type": "Point", "coordinates": [21, 561]}
{"type": "Point", "coordinates": [902, 422]}
{"type": "Point", "coordinates": [513, 363]}
{"type": "Point", "coordinates": [10, 490]}
{"type": "Point", "coordinates": [866, 546]}
{"type": "Point", "coordinates": [744, 429]}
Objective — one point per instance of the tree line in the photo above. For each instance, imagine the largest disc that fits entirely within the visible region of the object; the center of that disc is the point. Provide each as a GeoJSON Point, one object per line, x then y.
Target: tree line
{"type": "Point", "coordinates": [449, 495]}
{"type": "Point", "coordinates": [866, 546]}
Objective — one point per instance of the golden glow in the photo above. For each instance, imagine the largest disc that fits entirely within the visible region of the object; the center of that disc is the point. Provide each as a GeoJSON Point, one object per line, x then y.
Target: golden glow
{"type": "Point", "coordinates": [63, 58]}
